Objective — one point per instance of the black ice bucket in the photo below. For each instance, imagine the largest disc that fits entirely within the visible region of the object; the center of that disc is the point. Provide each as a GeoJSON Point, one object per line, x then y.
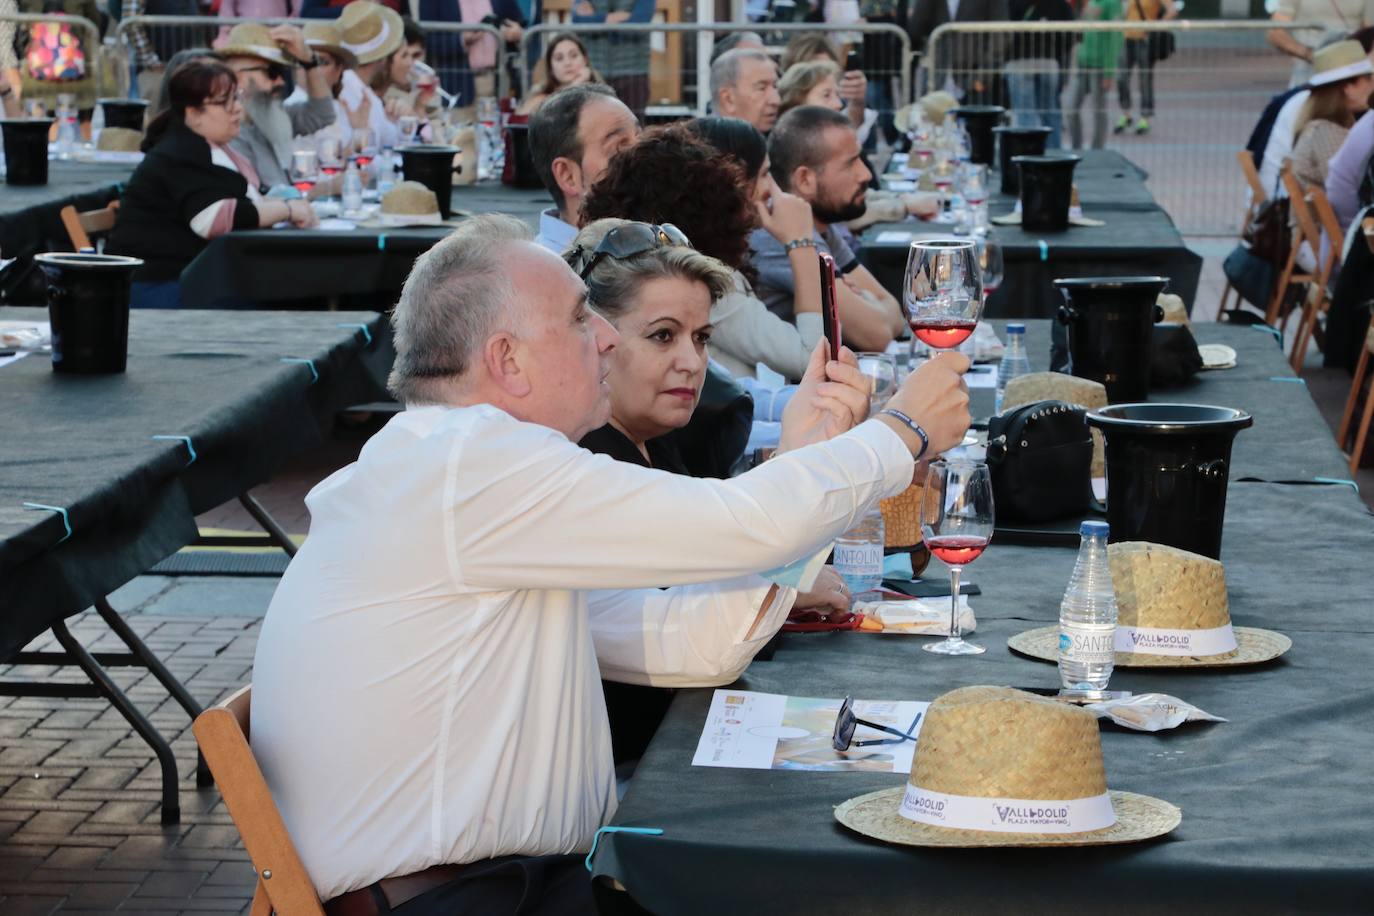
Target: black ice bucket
{"type": "Point", "coordinates": [519, 169]}
{"type": "Point", "coordinates": [26, 149]}
{"type": "Point", "coordinates": [1111, 335]}
{"type": "Point", "coordinates": [1046, 191]}
{"type": "Point", "coordinates": [125, 113]}
{"type": "Point", "coordinates": [433, 167]}
{"type": "Point", "coordinates": [1167, 470]}
{"type": "Point", "coordinates": [980, 120]}
{"type": "Point", "coordinates": [88, 305]}
{"type": "Point", "coordinates": [1017, 141]}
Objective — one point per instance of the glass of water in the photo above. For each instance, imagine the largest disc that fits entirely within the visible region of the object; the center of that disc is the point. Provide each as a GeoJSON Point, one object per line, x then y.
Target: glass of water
{"type": "Point", "coordinates": [881, 371]}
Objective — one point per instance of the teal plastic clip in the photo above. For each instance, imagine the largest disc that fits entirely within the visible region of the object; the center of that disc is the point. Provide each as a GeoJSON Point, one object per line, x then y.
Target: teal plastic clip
{"type": "Point", "coordinates": [1293, 379]}
{"type": "Point", "coordinates": [308, 362]}
{"type": "Point", "coordinates": [381, 242]}
{"type": "Point", "coordinates": [189, 447]}
{"type": "Point", "coordinates": [367, 335]}
{"type": "Point", "coordinates": [1337, 481]}
{"type": "Point", "coordinates": [1044, 249]}
{"type": "Point", "coordinates": [1270, 330]}
{"type": "Point", "coordinates": [66, 521]}
{"type": "Point", "coordinates": [644, 831]}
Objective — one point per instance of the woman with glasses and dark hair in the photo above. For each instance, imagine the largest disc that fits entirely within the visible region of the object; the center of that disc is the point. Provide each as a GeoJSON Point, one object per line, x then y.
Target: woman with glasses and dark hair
{"type": "Point", "coordinates": [191, 187]}
{"type": "Point", "coordinates": [657, 291]}
{"type": "Point", "coordinates": [717, 201]}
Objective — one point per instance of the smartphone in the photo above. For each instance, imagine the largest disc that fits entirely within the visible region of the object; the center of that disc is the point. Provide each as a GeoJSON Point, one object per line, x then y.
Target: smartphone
{"type": "Point", "coordinates": [830, 312]}
{"type": "Point", "coordinates": [855, 60]}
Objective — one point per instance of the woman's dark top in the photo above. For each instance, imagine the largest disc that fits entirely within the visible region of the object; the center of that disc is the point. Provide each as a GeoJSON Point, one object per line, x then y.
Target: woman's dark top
{"type": "Point", "coordinates": [175, 181]}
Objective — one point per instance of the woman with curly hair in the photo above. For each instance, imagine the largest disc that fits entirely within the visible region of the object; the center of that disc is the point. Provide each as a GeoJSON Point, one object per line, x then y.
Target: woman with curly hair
{"type": "Point", "coordinates": [672, 175]}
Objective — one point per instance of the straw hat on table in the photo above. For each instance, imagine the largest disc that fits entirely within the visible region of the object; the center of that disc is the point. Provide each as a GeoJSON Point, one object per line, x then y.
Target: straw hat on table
{"type": "Point", "coordinates": [253, 39]}
{"type": "Point", "coordinates": [1010, 762]}
{"type": "Point", "coordinates": [370, 31]}
{"type": "Point", "coordinates": [325, 35]}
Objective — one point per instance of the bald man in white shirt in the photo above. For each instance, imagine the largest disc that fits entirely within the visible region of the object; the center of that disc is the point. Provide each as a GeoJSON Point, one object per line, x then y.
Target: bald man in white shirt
{"type": "Point", "coordinates": [427, 701]}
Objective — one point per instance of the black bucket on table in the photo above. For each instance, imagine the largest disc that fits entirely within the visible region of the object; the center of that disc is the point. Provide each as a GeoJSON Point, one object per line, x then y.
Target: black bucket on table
{"type": "Point", "coordinates": [1111, 331]}
{"type": "Point", "coordinates": [1046, 191]}
{"type": "Point", "coordinates": [1017, 141]}
{"type": "Point", "coordinates": [433, 167]}
{"type": "Point", "coordinates": [1167, 470]}
{"type": "Point", "coordinates": [88, 305]}
{"type": "Point", "coordinates": [980, 120]}
{"type": "Point", "coordinates": [26, 149]}
{"type": "Point", "coordinates": [128, 113]}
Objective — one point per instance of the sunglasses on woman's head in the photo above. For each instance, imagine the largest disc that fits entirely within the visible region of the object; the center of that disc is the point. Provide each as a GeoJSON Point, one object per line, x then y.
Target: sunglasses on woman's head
{"type": "Point", "coordinates": [631, 240]}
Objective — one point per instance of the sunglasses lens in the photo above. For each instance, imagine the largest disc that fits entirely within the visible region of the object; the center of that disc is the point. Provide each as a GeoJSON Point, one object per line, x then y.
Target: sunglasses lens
{"type": "Point", "coordinates": [673, 235]}
{"type": "Point", "coordinates": [845, 723]}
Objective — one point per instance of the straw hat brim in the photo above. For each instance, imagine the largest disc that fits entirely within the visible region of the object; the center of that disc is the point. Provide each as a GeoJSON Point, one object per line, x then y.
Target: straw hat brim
{"type": "Point", "coordinates": [271, 55]}
{"type": "Point", "coordinates": [1138, 817]}
{"type": "Point", "coordinates": [347, 57]}
{"type": "Point", "coordinates": [1253, 646]}
{"type": "Point", "coordinates": [1348, 72]}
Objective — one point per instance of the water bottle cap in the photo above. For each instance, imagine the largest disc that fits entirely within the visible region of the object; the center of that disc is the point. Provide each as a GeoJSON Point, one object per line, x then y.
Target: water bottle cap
{"type": "Point", "coordinates": [1016, 327]}
{"type": "Point", "coordinates": [1093, 528]}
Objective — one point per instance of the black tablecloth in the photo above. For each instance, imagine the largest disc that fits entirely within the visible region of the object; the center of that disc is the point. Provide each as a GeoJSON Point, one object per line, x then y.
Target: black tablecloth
{"type": "Point", "coordinates": [1278, 803]}
{"type": "Point", "coordinates": [86, 443]}
{"type": "Point", "coordinates": [277, 268]}
{"type": "Point", "coordinates": [1139, 238]}
{"type": "Point", "coordinates": [29, 221]}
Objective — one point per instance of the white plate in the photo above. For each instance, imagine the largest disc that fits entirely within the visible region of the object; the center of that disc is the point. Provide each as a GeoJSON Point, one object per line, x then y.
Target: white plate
{"type": "Point", "coordinates": [1217, 356]}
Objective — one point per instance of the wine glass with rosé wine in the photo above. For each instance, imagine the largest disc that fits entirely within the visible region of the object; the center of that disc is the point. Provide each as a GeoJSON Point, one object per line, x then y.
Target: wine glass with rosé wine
{"type": "Point", "coordinates": [943, 291]}
{"type": "Point", "coordinates": [956, 525]}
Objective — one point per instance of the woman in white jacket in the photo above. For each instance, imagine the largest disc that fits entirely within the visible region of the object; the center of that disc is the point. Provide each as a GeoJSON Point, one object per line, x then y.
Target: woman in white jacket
{"type": "Point", "coordinates": [677, 174]}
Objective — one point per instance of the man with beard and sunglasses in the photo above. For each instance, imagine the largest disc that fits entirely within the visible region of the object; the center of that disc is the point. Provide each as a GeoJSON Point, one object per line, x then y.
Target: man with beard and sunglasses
{"type": "Point", "coordinates": [262, 58]}
{"type": "Point", "coordinates": [815, 154]}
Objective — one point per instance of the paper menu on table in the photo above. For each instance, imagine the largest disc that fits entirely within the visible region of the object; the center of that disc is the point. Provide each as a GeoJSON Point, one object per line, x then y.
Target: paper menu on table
{"type": "Point", "coordinates": [893, 237]}
{"type": "Point", "coordinates": [769, 731]}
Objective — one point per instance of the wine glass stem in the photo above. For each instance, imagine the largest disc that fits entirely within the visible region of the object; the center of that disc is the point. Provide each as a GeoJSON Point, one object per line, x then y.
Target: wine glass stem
{"type": "Point", "coordinates": [955, 635]}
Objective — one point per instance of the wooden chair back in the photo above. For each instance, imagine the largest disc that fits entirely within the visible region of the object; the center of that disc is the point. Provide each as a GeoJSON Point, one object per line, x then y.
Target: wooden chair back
{"type": "Point", "coordinates": [284, 887]}
{"type": "Point", "coordinates": [1302, 211]}
{"type": "Point", "coordinates": [81, 226]}
{"type": "Point", "coordinates": [1330, 226]}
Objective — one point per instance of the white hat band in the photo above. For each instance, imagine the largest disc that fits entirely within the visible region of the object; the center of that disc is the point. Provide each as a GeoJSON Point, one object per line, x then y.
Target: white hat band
{"type": "Point", "coordinates": [372, 44]}
{"type": "Point", "coordinates": [1007, 815]}
{"type": "Point", "coordinates": [1160, 641]}
{"type": "Point", "coordinates": [1349, 71]}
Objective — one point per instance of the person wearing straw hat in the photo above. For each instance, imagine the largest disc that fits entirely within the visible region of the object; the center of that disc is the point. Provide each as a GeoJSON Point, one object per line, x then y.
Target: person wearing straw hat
{"type": "Point", "coordinates": [372, 33]}
{"type": "Point", "coordinates": [1335, 20]}
{"type": "Point", "coordinates": [324, 38]}
{"type": "Point", "coordinates": [1329, 61]}
{"type": "Point", "coordinates": [262, 58]}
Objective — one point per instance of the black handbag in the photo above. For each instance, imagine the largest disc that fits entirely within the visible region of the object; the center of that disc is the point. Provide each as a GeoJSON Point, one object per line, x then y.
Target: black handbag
{"type": "Point", "coordinates": [1162, 46]}
{"type": "Point", "coordinates": [1267, 235]}
{"type": "Point", "coordinates": [1040, 456]}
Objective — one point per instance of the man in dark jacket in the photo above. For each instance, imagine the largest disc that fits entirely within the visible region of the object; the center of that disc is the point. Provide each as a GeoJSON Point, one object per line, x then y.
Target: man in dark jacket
{"type": "Point", "coordinates": [968, 64]}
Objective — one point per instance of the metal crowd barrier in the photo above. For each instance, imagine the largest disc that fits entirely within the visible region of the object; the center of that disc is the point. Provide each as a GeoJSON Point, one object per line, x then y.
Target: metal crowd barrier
{"type": "Point", "coordinates": [11, 24]}
{"type": "Point", "coordinates": [1200, 103]}
{"type": "Point", "coordinates": [678, 70]}
{"type": "Point", "coordinates": [444, 52]}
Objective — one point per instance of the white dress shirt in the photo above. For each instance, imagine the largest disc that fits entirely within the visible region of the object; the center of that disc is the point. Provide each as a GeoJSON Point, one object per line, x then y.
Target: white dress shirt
{"type": "Point", "coordinates": [427, 682]}
{"type": "Point", "coordinates": [554, 233]}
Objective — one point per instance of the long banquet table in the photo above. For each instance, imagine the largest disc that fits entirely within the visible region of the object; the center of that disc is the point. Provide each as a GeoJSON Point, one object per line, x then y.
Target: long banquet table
{"type": "Point", "coordinates": [1278, 802]}
{"type": "Point", "coordinates": [101, 476]}
{"type": "Point", "coordinates": [1139, 238]}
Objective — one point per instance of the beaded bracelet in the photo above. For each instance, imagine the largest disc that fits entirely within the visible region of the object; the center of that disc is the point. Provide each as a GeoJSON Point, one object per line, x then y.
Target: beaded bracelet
{"type": "Point", "coordinates": [911, 425]}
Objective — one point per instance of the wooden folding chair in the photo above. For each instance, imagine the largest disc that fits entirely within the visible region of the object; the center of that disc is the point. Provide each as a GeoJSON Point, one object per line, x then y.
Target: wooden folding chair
{"type": "Point", "coordinates": [81, 226]}
{"type": "Point", "coordinates": [1319, 295]}
{"type": "Point", "coordinates": [1257, 199]}
{"type": "Point", "coordinates": [1292, 272]}
{"type": "Point", "coordinates": [284, 887]}
{"type": "Point", "coordinates": [1361, 368]}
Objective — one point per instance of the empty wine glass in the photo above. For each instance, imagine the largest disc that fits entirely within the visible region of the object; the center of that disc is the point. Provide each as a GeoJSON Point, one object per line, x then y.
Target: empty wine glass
{"type": "Point", "coordinates": [990, 263]}
{"type": "Point", "coordinates": [956, 525]}
{"type": "Point", "coordinates": [881, 371]}
{"type": "Point", "coordinates": [943, 291]}
{"type": "Point", "coordinates": [410, 128]}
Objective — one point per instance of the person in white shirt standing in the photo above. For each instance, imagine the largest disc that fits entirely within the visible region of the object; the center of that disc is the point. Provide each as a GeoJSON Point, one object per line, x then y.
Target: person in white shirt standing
{"type": "Point", "coordinates": [427, 704]}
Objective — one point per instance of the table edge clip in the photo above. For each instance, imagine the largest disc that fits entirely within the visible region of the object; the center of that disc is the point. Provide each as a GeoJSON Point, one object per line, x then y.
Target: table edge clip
{"type": "Point", "coordinates": [596, 838]}
{"type": "Point", "coordinates": [66, 519]}
{"type": "Point", "coordinates": [189, 447]}
{"type": "Point", "coordinates": [315, 374]}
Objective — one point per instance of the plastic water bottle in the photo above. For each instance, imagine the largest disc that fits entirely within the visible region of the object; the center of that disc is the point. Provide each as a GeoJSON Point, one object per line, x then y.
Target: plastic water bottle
{"type": "Point", "coordinates": [1087, 616]}
{"type": "Point", "coordinates": [352, 189]}
{"type": "Point", "coordinates": [859, 554]}
{"type": "Point", "coordinates": [67, 133]}
{"type": "Point", "coordinates": [1015, 362]}
{"type": "Point", "coordinates": [97, 123]}
{"type": "Point", "coordinates": [386, 171]}
{"type": "Point", "coordinates": [491, 152]}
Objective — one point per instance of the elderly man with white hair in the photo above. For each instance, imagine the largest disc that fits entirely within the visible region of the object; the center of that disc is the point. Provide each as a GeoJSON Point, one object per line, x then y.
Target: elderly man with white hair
{"type": "Point", "coordinates": [427, 707]}
{"type": "Point", "coordinates": [744, 84]}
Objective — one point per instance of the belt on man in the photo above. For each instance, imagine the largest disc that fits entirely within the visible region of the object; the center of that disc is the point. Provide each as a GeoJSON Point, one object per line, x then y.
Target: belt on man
{"type": "Point", "coordinates": [389, 893]}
